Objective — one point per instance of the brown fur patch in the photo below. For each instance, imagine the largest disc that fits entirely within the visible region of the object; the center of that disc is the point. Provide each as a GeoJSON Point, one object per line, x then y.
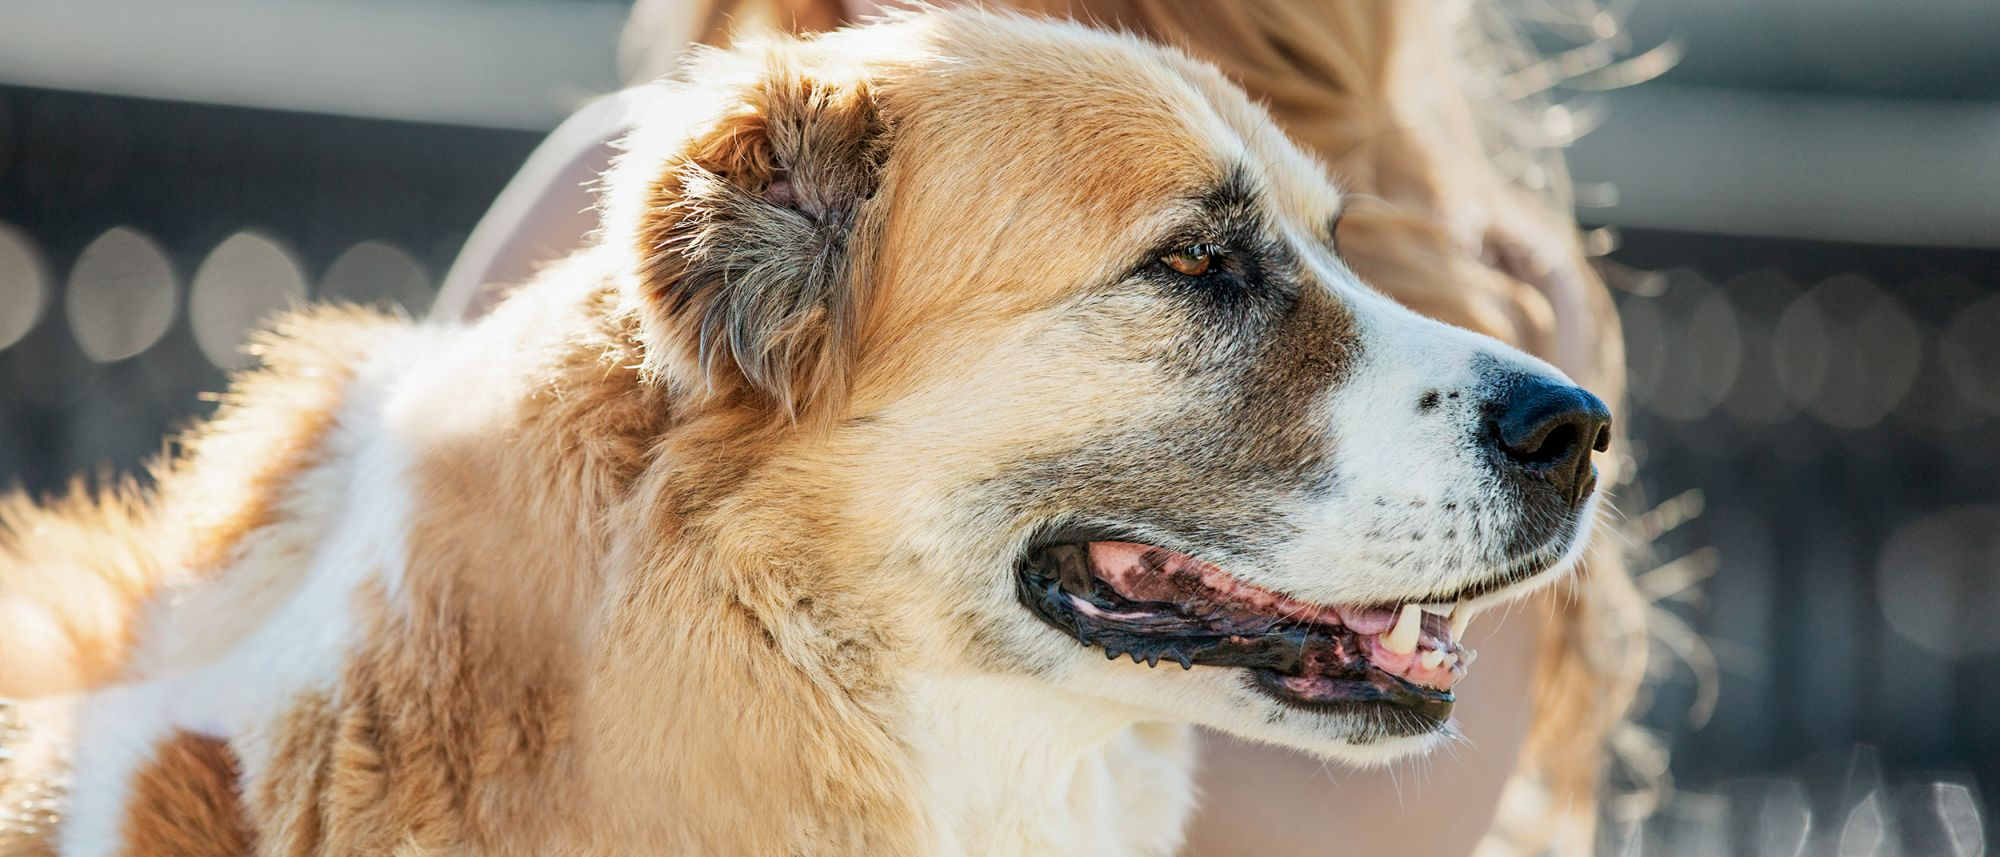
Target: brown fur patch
{"type": "Point", "coordinates": [453, 720]}
{"type": "Point", "coordinates": [186, 802]}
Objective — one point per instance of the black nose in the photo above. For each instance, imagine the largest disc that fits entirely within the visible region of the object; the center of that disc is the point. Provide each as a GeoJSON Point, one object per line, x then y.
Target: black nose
{"type": "Point", "coordinates": [1548, 429]}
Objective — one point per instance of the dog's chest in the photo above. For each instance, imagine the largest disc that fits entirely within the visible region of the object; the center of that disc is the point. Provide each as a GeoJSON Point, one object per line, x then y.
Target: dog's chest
{"type": "Point", "coordinates": [1006, 772]}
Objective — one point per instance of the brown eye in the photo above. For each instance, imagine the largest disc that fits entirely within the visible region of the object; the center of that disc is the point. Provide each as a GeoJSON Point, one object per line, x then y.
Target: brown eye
{"type": "Point", "coordinates": [1192, 261]}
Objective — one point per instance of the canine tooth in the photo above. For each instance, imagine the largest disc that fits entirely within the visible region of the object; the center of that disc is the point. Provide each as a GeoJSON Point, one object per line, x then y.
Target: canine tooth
{"type": "Point", "coordinates": [1461, 618]}
{"type": "Point", "coordinates": [1438, 609]}
{"type": "Point", "coordinates": [1402, 639]}
{"type": "Point", "coordinates": [1432, 658]}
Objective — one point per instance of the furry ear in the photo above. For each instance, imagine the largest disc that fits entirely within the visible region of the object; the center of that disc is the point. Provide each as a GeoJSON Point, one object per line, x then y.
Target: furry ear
{"type": "Point", "coordinates": [746, 229]}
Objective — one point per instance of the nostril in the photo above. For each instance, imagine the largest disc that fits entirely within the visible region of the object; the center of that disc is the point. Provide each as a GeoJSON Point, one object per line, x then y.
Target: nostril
{"type": "Point", "coordinates": [1554, 444]}
{"type": "Point", "coordinates": [1547, 429]}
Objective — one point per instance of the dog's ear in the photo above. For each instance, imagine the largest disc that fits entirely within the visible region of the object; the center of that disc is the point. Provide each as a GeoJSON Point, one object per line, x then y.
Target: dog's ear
{"type": "Point", "coordinates": [746, 229]}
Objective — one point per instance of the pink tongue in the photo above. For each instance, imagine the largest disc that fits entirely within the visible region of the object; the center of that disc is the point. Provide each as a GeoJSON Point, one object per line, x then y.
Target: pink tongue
{"type": "Point", "coordinates": [1368, 620]}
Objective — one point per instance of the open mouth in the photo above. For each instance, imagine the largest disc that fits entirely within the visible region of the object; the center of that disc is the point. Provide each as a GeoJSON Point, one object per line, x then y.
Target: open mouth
{"type": "Point", "coordinates": [1157, 605]}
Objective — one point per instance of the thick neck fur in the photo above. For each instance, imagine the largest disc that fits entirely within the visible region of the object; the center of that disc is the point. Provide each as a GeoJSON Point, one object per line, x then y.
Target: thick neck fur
{"type": "Point", "coordinates": [627, 629]}
{"type": "Point", "coordinates": [753, 688]}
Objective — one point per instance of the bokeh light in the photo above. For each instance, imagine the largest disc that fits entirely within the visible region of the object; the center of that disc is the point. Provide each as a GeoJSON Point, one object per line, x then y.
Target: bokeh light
{"type": "Point", "coordinates": [1847, 351]}
{"type": "Point", "coordinates": [24, 285]}
{"type": "Point", "coordinates": [1760, 296]}
{"type": "Point", "coordinates": [372, 272]}
{"type": "Point", "coordinates": [245, 279]}
{"type": "Point", "coordinates": [1683, 347]}
{"type": "Point", "coordinates": [1938, 580]}
{"type": "Point", "coordinates": [1866, 830]}
{"type": "Point", "coordinates": [1783, 821]}
{"type": "Point", "coordinates": [1936, 400]}
{"type": "Point", "coordinates": [1767, 817]}
{"type": "Point", "coordinates": [121, 295]}
{"type": "Point", "coordinates": [1958, 819]}
{"type": "Point", "coordinates": [1970, 352]}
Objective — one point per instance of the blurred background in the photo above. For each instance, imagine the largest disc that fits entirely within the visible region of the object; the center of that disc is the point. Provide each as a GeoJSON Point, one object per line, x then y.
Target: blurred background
{"type": "Point", "coordinates": [1801, 219]}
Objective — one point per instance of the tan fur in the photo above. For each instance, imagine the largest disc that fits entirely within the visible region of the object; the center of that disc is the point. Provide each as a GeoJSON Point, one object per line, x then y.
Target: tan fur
{"type": "Point", "coordinates": [186, 803]}
{"type": "Point", "coordinates": [1458, 208]}
{"type": "Point", "coordinates": [461, 704]}
{"type": "Point", "coordinates": [658, 589]}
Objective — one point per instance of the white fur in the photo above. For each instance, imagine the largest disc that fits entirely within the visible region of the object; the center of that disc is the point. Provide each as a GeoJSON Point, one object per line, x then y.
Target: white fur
{"type": "Point", "coordinates": [299, 648]}
{"type": "Point", "coordinates": [1399, 468]}
{"type": "Point", "coordinates": [1419, 508]}
{"type": "Point", "coordinates": [1016, 768]}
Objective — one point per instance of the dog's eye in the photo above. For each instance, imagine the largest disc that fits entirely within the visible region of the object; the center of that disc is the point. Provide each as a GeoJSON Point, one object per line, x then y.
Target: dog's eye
{"type": "Point", "coordinates": [1193, 261]}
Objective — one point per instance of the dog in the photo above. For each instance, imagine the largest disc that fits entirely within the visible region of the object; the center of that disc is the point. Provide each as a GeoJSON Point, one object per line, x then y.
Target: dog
{"type": "Point", "coordinates": [950, 413]}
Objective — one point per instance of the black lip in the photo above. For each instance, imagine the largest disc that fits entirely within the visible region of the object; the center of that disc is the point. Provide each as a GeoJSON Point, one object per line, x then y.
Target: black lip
{"type": "Point", "coordinates": [1055, 569]}
{"type": "Point", "coordinates": [1431, 708]}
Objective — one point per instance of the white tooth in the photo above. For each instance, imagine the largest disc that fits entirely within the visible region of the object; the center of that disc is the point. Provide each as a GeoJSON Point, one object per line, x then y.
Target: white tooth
{"type": "Point", "coordinates": [1467, 656]}
{"type": "Point", "coordinates": [1432, 658]}
{"type": "Point", "coordinates": [1402, 639]}
{"type": "Point", "coordinates": [1461, 618]}
{"type": "Point", "coordinates": [1437, 609]}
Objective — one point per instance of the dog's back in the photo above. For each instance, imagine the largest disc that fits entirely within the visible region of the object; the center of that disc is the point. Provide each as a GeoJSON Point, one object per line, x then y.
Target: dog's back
{"type": "Point", "coordinates": [112, 585]}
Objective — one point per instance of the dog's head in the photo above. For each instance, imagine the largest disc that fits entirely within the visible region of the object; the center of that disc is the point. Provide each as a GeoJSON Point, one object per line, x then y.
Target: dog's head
{"type": "Point", "coordinates": [1064, 356]}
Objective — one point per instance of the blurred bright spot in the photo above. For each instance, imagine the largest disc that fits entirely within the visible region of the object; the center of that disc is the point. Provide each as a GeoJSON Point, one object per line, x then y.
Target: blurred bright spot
{"type": "Point", "coordinates": [1800, 338]}
{"type": "Point", "coordinates": [1847, 352]}
{"type": "Point", "coordinates": [1938, 581]}
{"type": "Point", "coordinates": [245, 279]}
{"type": "Point", "coordinates": [1864, 833]}
{"type": "Point", "coordinates": [1683, 348]}
{"type": "Point", "coordinates": [1784, 821]}
{"type": "Point", "coordinates": [1958, 814]}
{"type": "Point", "coordinates": [1970, 352]}
{"type": "Point", "coordinates": [121, 295]}
{"type": "Point", "coordinates": [1937, 399]}
{"type": "Point", "coordinates": [375, 273]}
{"type": "Point", "coordinates": [24, 285]}
{"type": "Point", "coordinates": [1760, 296]}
